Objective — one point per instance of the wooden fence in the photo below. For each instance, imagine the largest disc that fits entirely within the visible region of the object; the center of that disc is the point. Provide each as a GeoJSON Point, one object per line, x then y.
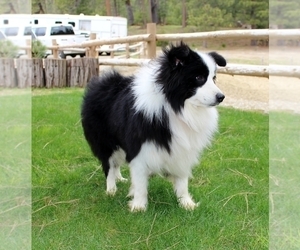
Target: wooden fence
{"type": "Point", "coordinates": [47, 73]}
{"type": "Point", "coordinates": [232, 69]}
{"type": "Point", "coordinates": [76, 72]}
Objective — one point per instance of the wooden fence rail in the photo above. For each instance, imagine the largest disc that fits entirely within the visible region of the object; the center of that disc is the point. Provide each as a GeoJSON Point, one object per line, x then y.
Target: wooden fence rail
{"type": "Point", "coordinates": [92, 46]}
{"type": "Point", "coordinates": [230, 69]}
{"type": "Point", "coordinates": [215, 35]}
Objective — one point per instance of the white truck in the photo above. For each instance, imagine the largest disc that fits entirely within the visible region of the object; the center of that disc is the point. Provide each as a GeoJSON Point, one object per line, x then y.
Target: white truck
{"type": "Point", "coordinates": [63, 34]}
{"type": "Point", "coordinates": [17, 34]}
{"type": "Point", "coordinates": [103, 26]}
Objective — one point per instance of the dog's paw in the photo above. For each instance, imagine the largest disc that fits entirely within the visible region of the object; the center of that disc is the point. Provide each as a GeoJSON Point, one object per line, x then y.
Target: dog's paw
{"type": "Point", "coordinates": [137, 206]}
{"type": "Point", "coordinates": [131, 192]}
{"type": "Point", "coordinates": [121, 179]}
{"type": "Point", "coordinates": [187, 203]}
{"type": "Point", "coordinates": [111, 191]}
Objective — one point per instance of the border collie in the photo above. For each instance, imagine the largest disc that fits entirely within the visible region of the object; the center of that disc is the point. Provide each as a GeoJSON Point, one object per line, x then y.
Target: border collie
{"type": "Point", "coordinates": [158, 120]}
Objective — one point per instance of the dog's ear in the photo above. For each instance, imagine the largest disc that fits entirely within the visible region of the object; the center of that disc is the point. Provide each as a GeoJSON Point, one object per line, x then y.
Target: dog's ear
{"type": "Point", "coordinates": [220, 60]}
{"type": "Point", "coordinates": [178, 54]}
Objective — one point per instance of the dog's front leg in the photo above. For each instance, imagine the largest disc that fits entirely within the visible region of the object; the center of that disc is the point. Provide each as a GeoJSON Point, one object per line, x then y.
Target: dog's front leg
{"type": "Point", "coordinates": [139, 185]}
{"type": "Point", "coordinates": [182, 193]}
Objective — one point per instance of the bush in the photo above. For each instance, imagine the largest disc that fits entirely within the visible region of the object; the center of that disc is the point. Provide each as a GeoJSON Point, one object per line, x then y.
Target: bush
{"type": "Point", "coordinates": [38, 49]}
{"type": "Point", "coordinates": [8, 49]}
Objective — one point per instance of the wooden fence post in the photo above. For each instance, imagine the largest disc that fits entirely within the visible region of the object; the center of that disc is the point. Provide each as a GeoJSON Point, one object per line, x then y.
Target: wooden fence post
{"type": "Point", "coordinates": [91, 52]}
{"type": "Point", "coordinates": [24, 72]}
{"type": "Point", "coordinates": [112, 52]}
{"type": "Point", "coordinates": [55, 73]}
{"type": "Point", "coordinates": [80, 71]}
{"type": "Point", "coordinates": [30, 72]}
{"type": "Point", "coordinates": [151, 45]}
{"type": "Point", "coordinates": [144, 50]}
{"type": "Point", "coordinates": [127, 51]}
{"type": "Point", "coordinates": [28, 51]}
{"type": "Point", "coordinates": [54, 51]}
{"type": "Point", "coordinates": [38, 73]}
{"type": "Point", "coordinates": [8, 77]}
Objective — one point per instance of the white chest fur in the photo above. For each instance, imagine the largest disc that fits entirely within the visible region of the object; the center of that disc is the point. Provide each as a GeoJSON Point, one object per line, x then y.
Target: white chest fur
{"type": "Point", "coordinates": [191, 133]}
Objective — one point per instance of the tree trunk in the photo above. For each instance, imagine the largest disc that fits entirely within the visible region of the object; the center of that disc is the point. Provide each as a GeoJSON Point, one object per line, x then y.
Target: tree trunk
{"type": "Point", "coordinates": [107, 5]}
{"type": "Point", "coordinates": [115, 8]}
{"type": "Point", "coordinates": [142, 6]}
{"type": "Point", "coordinates": [154, 11]}
{"type": "Point", "coordinates": [149, 11]}
{"type": "Point", "coordinates": [184, 14]}
{"type": "Point", "coordinates": [162, 10]}
{"type": "Point", "coordinates": [129, 12]}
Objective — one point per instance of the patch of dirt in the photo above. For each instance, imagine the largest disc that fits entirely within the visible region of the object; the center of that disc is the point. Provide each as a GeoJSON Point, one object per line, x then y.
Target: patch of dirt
{"type": "Point", "coordinates": [285, 94]}
{"type": "Point", "coordinates": [252, 93]}
{"type": "Point", "coordinates": [245, 92]}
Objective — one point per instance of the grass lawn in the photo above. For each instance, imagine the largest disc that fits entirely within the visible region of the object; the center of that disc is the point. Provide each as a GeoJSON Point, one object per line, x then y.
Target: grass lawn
{"type": "Point", "coordinates": [15, 169]}
{"type": "Point", "coordinates": [71, 210]}
{"type": "Point", "coordinates": [284, 181]}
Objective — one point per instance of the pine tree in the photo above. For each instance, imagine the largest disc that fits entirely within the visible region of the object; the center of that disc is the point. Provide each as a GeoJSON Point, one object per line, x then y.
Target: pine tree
{"type": "Point", "coordinates": [285, 14]}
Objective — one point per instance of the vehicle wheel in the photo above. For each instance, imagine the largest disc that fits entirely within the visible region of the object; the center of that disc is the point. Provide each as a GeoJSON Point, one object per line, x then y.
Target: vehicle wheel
{"type": "Point", "coordinates": [62, 55]}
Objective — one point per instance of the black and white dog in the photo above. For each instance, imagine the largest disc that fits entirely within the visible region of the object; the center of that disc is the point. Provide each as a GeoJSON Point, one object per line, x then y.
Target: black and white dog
{"type": "Point", "coordinates": [158, 120]}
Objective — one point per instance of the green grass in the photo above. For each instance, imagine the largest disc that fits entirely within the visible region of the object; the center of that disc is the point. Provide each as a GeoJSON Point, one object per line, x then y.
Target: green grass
{"type": "Point", "coordinates": [72, 211]}
{"type": "Point", "coordinates": [284, 181]}
{"type": "Point", "coordinates": [15, 169]}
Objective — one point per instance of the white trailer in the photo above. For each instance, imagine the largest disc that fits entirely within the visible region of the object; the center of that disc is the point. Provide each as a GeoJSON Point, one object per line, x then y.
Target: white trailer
{"type": "Point", "coordinates": [103, 26]}
{"type": "Point", "coordinates": [15, 19]}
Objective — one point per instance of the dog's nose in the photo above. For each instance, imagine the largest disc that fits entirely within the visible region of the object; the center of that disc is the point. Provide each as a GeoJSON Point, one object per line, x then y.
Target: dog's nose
{"type": "Point", "coordinates": [220, 97]}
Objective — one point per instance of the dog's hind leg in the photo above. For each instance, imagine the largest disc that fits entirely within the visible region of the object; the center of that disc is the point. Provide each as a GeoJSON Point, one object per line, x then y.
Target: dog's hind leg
{"type": "Point", "coordinates": [118, 159]}
{"type": "Point", "coordinates": [182, 193]}
{"type": "Point", "coordinates": [114, 172]}
{"type": "Point", "coordinates": [119, 175]}
{"type": "Point", "coordinates": [109, 171]}
{"type": "Point", "coordinates": [111, 187]}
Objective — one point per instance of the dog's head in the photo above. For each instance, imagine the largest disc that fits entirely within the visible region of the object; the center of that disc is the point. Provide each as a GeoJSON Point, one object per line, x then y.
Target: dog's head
{"type": "Point", "coordinates": [190, 76]}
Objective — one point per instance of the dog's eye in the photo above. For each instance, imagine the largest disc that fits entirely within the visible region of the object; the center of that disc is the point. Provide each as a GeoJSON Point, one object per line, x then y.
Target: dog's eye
{"type": "Point", "coordinates": [200, 78]}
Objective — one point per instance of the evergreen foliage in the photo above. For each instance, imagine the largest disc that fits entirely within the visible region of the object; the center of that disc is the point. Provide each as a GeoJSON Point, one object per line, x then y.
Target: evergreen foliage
{"type": "Point", "coordinates": [207, 14]}
{"type": "Point", "coordinates": [285, 14]}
